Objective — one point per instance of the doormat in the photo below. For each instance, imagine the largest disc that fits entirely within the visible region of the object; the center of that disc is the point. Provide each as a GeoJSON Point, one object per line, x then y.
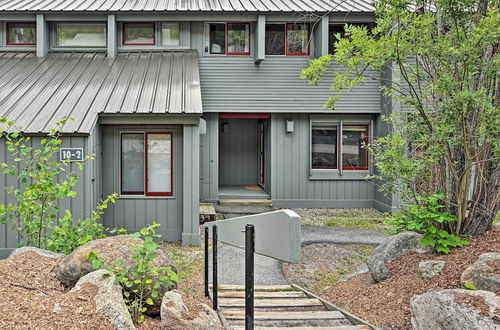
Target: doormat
{"type": "Point", "coordinates": [255, 188]}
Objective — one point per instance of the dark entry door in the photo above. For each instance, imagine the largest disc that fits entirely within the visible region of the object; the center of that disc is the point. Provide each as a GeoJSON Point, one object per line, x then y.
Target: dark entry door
{"type": "Point", "coordinates": [261, 155]}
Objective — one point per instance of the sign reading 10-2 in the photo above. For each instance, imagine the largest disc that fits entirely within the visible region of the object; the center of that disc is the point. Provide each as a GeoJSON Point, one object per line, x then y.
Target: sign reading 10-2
{"type": "Point", "coordinates": [71, 154]}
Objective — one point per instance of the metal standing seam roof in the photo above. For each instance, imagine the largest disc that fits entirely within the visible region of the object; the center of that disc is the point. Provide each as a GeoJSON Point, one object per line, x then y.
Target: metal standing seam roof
{"type": "Point", "coordinates": [186, 5]}
{"type": "Point", "coordinates": [36, 93]}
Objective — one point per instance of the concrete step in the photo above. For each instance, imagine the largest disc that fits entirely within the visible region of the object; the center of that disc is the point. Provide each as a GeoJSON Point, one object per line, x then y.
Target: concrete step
{"type": "Point", "coordinates": [246, 202]}
{"type": "Point", "coordinates": [242, 209]}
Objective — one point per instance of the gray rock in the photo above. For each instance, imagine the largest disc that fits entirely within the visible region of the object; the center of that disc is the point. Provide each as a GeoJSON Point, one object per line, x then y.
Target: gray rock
{"type": "Point", "coordinates": [392, 248]}
{"type": "Point", "coordinates": [174, 315]}
{"type": "Point", "coordinates": [44, 253]}
{"type": "Point", "coordinates": [484, 274]}
{"type": "Point", "coordinates": [71, 268]}
{"type": "Point", "coordinates": [429, 269]}
{"type": "Point", "coordinates": [57, 309]}
{"type": "Point", "coordinates": [455, 309]}
{"type": "Point", "coordinates": [108, 299]}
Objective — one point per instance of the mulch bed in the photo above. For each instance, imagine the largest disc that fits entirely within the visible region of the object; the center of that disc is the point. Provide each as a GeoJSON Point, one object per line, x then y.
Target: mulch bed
{"type": "Point", "coordinates": [387, 304]}
{"type": "Point", "coordinates": [32, 297]}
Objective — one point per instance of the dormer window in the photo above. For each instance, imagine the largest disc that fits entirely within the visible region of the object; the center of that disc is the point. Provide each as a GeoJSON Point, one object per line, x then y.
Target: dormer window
{"type": "Point", "coordinates": [227, 38]}
{"type": "Point", "coordinates": [291, 39]}
{"type": "Point", "coordinates": [139, 34]}
{"type": "Point", "coordinates": [21, 34]}
{"type": "Point", "coordinates": [88, 34]}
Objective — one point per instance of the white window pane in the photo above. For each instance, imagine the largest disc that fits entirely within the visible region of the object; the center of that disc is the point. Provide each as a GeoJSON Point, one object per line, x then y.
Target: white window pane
{"type": "Point", "coordinates": [132, 163]}
{"type": "Point", "coordinates": [238, 39]}
{"type": "Point", "coordinates": [170, 35]}
{"type": "Point", "coordinates": [159, 163]}
{"type": "Point", "coordinates": [324, 147]}
{"type": "Point", "coordinates": [81, 35]}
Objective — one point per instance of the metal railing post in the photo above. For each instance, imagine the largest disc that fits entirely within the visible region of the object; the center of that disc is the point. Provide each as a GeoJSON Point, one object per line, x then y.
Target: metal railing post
{"type": "Point", "coordinates": [206, 262]}
{"type": "Point", "coordinates": [214, 265]}
{"type": "Point", "coordinates": [249, 276]}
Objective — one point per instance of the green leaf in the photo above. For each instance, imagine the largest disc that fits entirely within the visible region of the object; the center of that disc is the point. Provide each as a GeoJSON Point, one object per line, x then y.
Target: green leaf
{"type": "Point", "coordinates": [149, 301]}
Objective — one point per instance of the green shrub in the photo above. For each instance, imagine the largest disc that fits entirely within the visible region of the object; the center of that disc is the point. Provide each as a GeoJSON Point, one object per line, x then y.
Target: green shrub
{"type": "Point", "coordinates": [71, 233]}
{"type": "Point", "coordinates": [427, 219]}
{"type": "Point", "coordinates": [140, 284]}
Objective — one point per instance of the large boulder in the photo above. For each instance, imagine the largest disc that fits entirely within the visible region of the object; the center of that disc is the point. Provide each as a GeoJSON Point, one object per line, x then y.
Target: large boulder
{"type": "Point", "coordinates": [455, 309]}
{"type": "Point", "coordinates": [390, 249]}
{"type": "Point", "coordinates": [484, 274]}
{"type": "Point", "coordinates": [175, 315]}
{"type": "Point", "coordinates": [108, 299]}
{"type": "Point", "coordinates": [75, 265]}
{"type": "Point", "coordinates": [430, 268]}
{"type": "Point", "coordinates": [43, 253]}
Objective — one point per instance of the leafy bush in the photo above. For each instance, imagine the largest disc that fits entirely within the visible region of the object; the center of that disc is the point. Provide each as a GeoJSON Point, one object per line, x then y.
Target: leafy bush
{"type": "Point", "coordinates": [71, 233]}
{"type": "Point", "coordinates": [140, 284]}
{"type": "Point", "coordinates": [427, 219]}
{"type": "Point", "coordinates": [43, 183]}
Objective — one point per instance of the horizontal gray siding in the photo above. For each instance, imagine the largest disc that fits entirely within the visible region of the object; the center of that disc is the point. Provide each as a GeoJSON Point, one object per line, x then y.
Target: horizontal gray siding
{"type": "Point", "coordinates": [237, 84]}
{"type": "Point", "coordinates": [79, 206]}
{"type": "Point", "coordinates": [291, 186]}
{"type": "Point", "coordinates": [135, 213]}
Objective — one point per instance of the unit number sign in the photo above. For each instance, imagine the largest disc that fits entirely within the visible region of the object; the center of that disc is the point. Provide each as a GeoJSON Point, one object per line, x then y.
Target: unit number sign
{"type": "Point", "coordinates": [71, 154]}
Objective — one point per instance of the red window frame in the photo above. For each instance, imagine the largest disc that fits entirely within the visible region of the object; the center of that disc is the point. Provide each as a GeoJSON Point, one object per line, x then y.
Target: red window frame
{"type": "Point", "coordinates": [249, 39]}
{"type": "Point", "coordinates": [124, 43]}
{"type": "Point", "coordinates": [166, 193]}
{"type": "Point", "coordinates": [146, 172]}
{"type": "Point", "coordinates": [337, 151]}
{"type": "Point", "coordinates": [367, 140]}
{"type": "Point", "coordinates": [8, 43]}
{"type": "Point", "coordinates": [308, 37]}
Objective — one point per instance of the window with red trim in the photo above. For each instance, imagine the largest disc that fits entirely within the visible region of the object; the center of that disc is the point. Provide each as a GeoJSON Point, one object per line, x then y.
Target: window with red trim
{"type": "Point", "coordinates": [324, 146]}
{"type": "Point", "coordinates": [290, 39]}
{"type": "Point", "coordinates": [135, 34]}
{"type": "Point", "coordinates": [146, 164]}
{"type": "Point", "coordinates": [227, 38]}
{"type": "Point", "coordinates": [354, 153]}
{"type": "Point", "coordinates": [21, 34]}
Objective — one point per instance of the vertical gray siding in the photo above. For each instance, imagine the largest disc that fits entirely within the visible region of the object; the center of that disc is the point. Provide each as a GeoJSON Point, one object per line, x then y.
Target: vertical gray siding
{"type": "Point", "coordinates": [238, 161]}
{"type": "Point", "coordinates": [291, 186]}
{"type": "Point", "coordinates": [191, 183]}
{"type": "Point", "coordinates": [79, 206]}
{"type": "Point", "coordinates": [268, 150]}
{"type": "Point", "coordinates": [135, 213]}
{"type": "Point", "coordinates": [209, 159]}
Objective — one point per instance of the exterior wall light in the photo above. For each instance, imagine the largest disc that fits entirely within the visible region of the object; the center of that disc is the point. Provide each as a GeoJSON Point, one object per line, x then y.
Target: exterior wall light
{"type": "Point", "coordinates": [290, 126]}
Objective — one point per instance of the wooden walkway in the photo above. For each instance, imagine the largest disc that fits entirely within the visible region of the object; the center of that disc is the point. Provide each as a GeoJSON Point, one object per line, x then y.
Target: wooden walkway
{"type": "Point", "coordinates": [280, 307]}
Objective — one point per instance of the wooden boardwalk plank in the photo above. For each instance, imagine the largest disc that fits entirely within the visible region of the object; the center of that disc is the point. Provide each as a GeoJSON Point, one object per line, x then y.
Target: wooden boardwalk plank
{"type": "Point", "coordinates": [263, 294]}
{"type": "Point", "coordinates": [291, 302]}
{"type": "Point", "coordinates": [257, 287]}
{"type": "Point", "coordinates": [275, 316]}
{"type": "Point", "coordinates": [345, 327]}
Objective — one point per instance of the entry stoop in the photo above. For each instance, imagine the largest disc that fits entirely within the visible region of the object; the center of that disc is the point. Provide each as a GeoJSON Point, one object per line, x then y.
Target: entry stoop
{"type": "Point", "coordinates": [232, 208]}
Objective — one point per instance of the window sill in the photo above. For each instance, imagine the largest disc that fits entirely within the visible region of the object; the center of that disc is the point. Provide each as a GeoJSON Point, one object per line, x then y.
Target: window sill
{"type": "Point", "coordinates": [142, 197]}
{"type": "Point", "coordinates": [335, 175]}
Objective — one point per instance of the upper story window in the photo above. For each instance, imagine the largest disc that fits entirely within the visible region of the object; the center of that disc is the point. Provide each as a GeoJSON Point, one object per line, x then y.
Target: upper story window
{"type": "Point", "coordinates": [21, 34]}
{"type": "Point", "coordinates": [291, 39]}
{"type": "Point", "coordinates": [227, 38]}
{"type": "Point", "coordinates": [170, 34]}
{"type": "Point", "coordinates": [143, 34]}
{"type": "Point", "coordinates": [329, 146]}
{"type": "Point", "coordinates": [80, 35]}
{"type": "Point", "coordinates": [339, 29]}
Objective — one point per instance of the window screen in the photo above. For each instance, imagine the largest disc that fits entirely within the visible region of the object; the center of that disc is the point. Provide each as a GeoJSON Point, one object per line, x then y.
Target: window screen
{"type": "Point", "coordinates": [81, 34]}
{"type": "Point", "coordinates": [139, 34]}
{"type": "Point", "coordinates": [170, 34]}
{"type": "Point", "coordinates": [354, 155]}
{"type": "Point", "coordinates": [132, 163]}
{"type": "Point", "coordinates": [324, 146]}
{"type": "Point", "coordinates": [297, 39]}
{"type": "Point", "coordinates": [238, 39]}
{"type": "Point", "coordinates": [275, 39]}
{"type": "Point", "coordinates": [217, 38]}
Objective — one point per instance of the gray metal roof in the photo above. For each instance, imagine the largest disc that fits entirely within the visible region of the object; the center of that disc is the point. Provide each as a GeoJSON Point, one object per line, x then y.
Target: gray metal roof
{"type": "Point", "coordinates": [36, 93]}
{"type": "Point", "coordinates": [187, 5]}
